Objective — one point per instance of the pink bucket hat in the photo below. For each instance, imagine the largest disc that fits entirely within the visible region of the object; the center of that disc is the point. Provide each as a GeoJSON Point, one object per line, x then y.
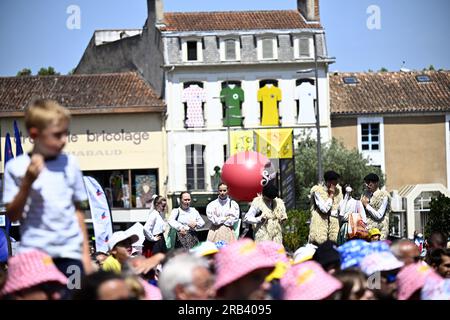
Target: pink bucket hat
{"type": "Point", "coordinates": [274, 251]}
{"type": "Point", "coordinates": [308, 281]}
{"type": "Point", "coordinates": [29, 269]}
{"type": "Point", "coordinates": [238, 259]}
{"type": "Point", "coordinates": [412, 278]}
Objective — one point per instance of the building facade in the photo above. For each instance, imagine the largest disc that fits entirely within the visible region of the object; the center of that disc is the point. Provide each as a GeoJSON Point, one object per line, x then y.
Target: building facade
{"type": "Point", "coordinates": [400, 122]}
{"type": "Point", "coordinates": [228, 73]}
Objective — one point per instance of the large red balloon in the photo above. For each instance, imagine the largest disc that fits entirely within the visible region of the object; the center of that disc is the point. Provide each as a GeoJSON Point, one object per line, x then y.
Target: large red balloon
{"type": "Point", "coordinates": [243, 173]}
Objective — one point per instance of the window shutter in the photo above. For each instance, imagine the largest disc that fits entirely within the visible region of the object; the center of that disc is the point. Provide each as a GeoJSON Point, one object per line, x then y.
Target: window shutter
{"type": "Point", "coordinates": [230, 50]}
{"type": "Point", "coordinates": [304, 47]}
{"type": "Point", "coordinates": [267, 48]}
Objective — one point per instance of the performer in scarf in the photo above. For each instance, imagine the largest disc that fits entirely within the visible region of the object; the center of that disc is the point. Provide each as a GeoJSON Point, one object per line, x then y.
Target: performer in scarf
{"type": "Point", "coordinates": [377, 204]}
{"type": "Point", "coordinates": [325, 200]}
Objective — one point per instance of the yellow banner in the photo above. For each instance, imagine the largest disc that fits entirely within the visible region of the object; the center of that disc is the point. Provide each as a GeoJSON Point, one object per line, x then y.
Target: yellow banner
{"type": "Point", "coordinates": [274, 143]}
{"type": "Point", "coordinates": [241, 140]}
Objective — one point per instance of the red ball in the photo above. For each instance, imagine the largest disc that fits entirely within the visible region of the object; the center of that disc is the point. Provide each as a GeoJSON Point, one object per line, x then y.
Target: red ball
{"type": "Point", "coordinates": [243, 173]}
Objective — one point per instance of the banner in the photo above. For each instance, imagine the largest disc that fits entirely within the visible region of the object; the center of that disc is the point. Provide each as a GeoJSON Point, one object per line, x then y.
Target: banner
{"type": "Point", "coordinates": [100, 212]}
{"type": "Point", "coordinates": [19, 149]}
{"type": "Point", "coordinates": [241, 141]}
{"type": "Point", "coordinates": [274, 143]}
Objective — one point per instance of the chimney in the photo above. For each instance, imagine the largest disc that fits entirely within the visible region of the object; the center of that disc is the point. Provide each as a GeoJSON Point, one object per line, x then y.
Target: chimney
{"type": "Point", "coordinates": [307, 9]}
{"type": "Point", "coordinates": [155, 10]}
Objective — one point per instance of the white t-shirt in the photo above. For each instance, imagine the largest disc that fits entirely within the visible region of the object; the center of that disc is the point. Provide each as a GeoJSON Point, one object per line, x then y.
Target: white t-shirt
{"type": "Point", "coordinates": [306, 93]}
{"type": "Point", "coordinates": [49, 221]}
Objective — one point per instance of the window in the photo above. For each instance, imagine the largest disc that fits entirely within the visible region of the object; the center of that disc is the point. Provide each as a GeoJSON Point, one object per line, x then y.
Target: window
{"type": "Point", "coordinates": [192, 50]}
{"type": "Point", "coordinates": [127, 189]}
{"type": "Point", "coordinates": [422, 208]}
{"type": "Point", "coordinates": [370, 136]}
{"type": "Point", "coordinates": [195, 167]}
{"type": "Point", "coordinates": [302, 48]}
{"type": "Point", "coordinates": [350, 80]}
{"type": "Point", "coordinates": [267, 49]}
{"type": "Point", "coordinates": [423, 78]}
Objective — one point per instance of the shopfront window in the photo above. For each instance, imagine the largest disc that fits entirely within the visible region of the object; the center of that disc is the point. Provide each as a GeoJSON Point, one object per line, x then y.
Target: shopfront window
{"type": "Point", "coordinates": [422, 208]}
{"type": "Point", "coordinates": [126, 189]}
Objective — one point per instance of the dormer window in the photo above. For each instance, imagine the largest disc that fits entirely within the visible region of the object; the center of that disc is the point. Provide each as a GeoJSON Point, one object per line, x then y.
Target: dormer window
{"type": "Point", "coordinates": [230, 50]}
{"type": "Point", "coordinates": [192, 50]}
{"type": "Point", "coordinates": [267, 48]}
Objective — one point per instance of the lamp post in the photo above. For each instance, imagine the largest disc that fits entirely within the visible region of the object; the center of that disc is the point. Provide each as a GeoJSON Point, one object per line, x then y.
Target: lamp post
{"type": "Point", "coordinates": [316, 106]}
{"type": "Point", "coordinates": [319, 147]}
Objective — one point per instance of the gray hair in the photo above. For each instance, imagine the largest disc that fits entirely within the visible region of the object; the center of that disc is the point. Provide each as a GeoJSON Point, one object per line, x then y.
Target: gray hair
{"type": "Point", "coordinates": [178, 271]}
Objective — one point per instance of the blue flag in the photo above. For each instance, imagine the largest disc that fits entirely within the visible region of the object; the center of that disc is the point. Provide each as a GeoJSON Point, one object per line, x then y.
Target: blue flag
{"type": "Point", "coordinates": [8, 148]}
{"type": "Point", "coordinates": [4, 237]}
{"type": "Point", "coordinates": [19, 149]}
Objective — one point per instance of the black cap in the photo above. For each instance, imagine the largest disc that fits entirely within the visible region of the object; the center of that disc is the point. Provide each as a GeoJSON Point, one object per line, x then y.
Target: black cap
{"type": "Point", "coordinates": [327, 255]}
{"type": "Point", "coordinates": [371, 177]}
{"type": "Point", "coordinates": [270, 190]}
{"type": "Point", "coordinates": [331, 175]}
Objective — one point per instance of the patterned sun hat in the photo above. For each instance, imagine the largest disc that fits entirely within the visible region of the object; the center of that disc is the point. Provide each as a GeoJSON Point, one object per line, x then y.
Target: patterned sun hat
{"type": "Point", "coordinates": [352, 252]}
{"type": "Point", "coordinates": [238, 259]}
{"type": "Point", "coordinates": [274, 251]}
{"type": "Point", "coordinates": [204, 249]}
{"type": "Point", "coordinates": [29, 269]}
{"type": "Point", "coordinates": [304, 253]}
{"type": "Point", "coordinates": [436, 289]}
{"type": "Point", "coordinates": [413, 277]}
{"type": "Point", "coordinates": [308, 281]}
{"type": "Point", "coordinates": [380, 261]}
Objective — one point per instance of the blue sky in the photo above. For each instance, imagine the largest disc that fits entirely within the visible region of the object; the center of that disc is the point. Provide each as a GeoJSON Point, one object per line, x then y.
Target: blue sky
{"type": "Point", "coordinates": [34, 33]}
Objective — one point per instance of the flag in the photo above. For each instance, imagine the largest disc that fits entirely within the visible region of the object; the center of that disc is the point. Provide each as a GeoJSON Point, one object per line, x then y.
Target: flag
{"type": "Point", "coordinates": [8, 149]}
{"type": "Point", "coordinates": [100, 212]}
{"type": "Point", "coordinates": [5, 246]}
{"type": "Point", "coordinates": [19, 149]}
{"type": "Point", "coordinates": [4, 237]}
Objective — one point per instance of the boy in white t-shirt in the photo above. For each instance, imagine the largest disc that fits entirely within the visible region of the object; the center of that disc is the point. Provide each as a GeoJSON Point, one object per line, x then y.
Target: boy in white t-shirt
{"type": "Point", "coordinates": [44, 190]}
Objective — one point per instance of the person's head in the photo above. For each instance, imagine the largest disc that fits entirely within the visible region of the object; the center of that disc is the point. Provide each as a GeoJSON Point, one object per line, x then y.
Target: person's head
{"type": "Point", "coordinates": [371, 181]}
{"type": "Point", "coordinates": [270, 191]}
{"type": "Point", "coordinates": [100, 257]}
{"type": "Point", "coordinates": [331, 178]}
{"type": "Point", "coordinates": [121, 245]}
{"type": "Point", "coordinates": [328, 257]}
{"type": "Point", "coordinates": [382, 267]}
{"type": "Point", "coordinates": [241, 270]}
{"type": "Point", "coordinates": [412, 278]}
{"type": "Point", "coordinates": [436, 240]}
{"type": "Point", "coordinates": [308, 281]}
{"type": "Point", "coordinates": [186, 277]}
{"type": "Point", "coordinates": [32, 275]}
{"type": "Point", "coordinates": [354, 285]}
{"type": "Point", "coordinates": [374, 235]}
{"type": "Point", "coordinates": [47, 123]}
{"type": "Point", "coordinates": [159, 203]}
{"type": "Point", "coordinates": [405, 251]}
{"type": "Point", "coordinates": [207, 250]}
{"type": "Point", "coordinates": [223, 190]}
{"type": "Point", "coordinates": [440, 261]}
{"type": "Point", "coordinates": [104, 285]}
{"type": "Point", "coordinates": [185, 200]}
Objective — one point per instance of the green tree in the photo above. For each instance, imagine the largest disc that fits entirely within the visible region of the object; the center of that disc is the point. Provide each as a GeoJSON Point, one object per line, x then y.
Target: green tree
{"type": "Point", "coordinates": [350, 164]}
{"type": "Point", "coordinates": [71, 72]}
{"type": "Point", "coordinates": [383, 69]}
{"type": "Point", "coordinates": [50, 71]}
{"type": "Point", "coordinates": [296, 229]}
{"type": "Point", "coordinates": [431, 68]}
{"type": "Point", "coordinates": [24, 72]}
{"type": "Point", "coordinates": [439, 216]}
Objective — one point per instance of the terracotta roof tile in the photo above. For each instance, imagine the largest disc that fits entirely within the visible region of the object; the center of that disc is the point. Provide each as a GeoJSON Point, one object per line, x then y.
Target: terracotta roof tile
{"type": "Point", "coordinates": [390, 92]}
{"type": "Point", "coordinates": [80, 92]}
{"type": "Point", "coordinates": [236, 20]}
